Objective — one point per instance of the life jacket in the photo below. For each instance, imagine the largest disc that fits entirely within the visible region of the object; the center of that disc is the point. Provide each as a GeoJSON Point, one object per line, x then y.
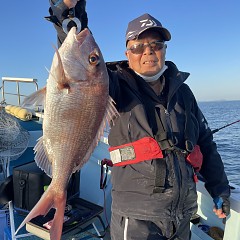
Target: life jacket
{"type": "Point", "coordinates": [149, 148]}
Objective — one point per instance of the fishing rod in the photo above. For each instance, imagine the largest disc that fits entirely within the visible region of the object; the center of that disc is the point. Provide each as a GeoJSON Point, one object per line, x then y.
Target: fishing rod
{"type": "Point", "coordinates": [217, 129]}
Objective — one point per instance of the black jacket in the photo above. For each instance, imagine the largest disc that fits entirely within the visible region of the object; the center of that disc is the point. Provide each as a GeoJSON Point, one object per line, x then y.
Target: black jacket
{"type": "Point", "coordinates": [133, 186]}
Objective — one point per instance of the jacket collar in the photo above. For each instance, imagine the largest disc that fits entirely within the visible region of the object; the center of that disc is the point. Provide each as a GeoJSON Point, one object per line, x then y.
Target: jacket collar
{"type": "Point", "coordinates": [174, 77]}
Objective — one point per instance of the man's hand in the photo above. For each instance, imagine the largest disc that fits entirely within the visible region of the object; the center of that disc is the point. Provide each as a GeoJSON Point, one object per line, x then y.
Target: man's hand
{"type": "Point", "coordinates": [222, 207]}
{"type": "Point", "coordinates": [70, 3]}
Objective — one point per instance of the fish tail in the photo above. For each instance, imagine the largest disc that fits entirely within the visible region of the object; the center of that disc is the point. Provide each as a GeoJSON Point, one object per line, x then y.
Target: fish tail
{"type": "Point", "coordinates": [49, 200]}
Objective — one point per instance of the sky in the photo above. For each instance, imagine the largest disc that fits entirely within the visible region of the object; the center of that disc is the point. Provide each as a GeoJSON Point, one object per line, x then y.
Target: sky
{"type": "Point", "coordinates": [205, 39]}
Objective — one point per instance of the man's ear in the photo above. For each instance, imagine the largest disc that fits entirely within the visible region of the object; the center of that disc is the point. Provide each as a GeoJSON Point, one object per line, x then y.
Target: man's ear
{"type": "Point", "coordinates": [126, 54]}
{"type": "Point", "coordinates": [165, 49]}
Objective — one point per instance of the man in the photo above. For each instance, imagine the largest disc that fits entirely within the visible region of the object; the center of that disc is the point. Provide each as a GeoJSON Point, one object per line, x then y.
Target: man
{"type": "Point", "coordinates": [158, 141]}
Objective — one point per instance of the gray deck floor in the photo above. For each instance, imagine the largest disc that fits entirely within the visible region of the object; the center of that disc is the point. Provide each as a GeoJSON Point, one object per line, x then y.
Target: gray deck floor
{"type": "Point", "coordinates": [87, 234]}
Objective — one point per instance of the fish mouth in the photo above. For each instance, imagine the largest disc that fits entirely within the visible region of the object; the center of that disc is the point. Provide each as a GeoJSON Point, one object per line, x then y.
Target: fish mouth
{"type": "Point", "coordinates": [80, 37]}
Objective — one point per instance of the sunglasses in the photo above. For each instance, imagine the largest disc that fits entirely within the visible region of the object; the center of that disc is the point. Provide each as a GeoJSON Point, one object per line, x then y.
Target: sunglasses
{"type": "Point", "coordinates": [139, 48]}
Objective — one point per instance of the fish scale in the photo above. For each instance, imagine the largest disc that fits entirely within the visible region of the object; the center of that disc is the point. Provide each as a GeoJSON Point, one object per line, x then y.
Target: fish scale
{"type": "Point", "coordinates": [77, 106]}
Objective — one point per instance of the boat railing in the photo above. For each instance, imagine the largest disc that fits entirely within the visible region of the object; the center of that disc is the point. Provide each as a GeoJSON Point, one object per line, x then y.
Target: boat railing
{"type": "Point", "coordinates": [18, 92]}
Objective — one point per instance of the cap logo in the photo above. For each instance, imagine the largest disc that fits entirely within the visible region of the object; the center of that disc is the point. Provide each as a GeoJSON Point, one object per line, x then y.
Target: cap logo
{"type": "Point", "coordinates": [130, 34]}
{"type": "Point", "coordinates": [148, 23]}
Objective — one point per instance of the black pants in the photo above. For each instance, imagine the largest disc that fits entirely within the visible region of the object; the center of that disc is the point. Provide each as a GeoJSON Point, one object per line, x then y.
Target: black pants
{"type": "Point", "coordinates": [132, 229]}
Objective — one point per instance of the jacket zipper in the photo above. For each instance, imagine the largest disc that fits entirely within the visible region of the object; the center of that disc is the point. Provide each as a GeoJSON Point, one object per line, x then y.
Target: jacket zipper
{"type": "Point", "coordinates": [169, 124]}
{"type": "Point", "coordinates": [129, 127]}
{"type": "Point", "coordinates": [179, 200]}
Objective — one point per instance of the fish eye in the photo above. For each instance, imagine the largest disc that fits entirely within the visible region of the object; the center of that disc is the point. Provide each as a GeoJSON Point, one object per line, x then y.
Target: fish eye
{"type": "Point", "coordinates": [94, 59]}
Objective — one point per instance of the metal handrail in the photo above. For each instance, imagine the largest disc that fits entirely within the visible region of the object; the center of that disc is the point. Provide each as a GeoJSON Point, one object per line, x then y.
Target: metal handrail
{"type": "Point", "coordinates": [17, 80]}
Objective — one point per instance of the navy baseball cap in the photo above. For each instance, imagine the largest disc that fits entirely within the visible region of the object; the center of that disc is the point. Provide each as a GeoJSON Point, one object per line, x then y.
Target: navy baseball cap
{"type": "Point", "coordinates": [143, 23]}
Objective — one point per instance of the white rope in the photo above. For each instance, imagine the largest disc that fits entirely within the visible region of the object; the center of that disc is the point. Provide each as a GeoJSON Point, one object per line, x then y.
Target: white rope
{"type": "Point", "coordinates": [126, 228]}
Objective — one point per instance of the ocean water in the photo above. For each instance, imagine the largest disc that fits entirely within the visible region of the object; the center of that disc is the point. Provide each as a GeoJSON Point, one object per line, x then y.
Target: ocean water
{"type": "Point", "coordinates": [219, 114]}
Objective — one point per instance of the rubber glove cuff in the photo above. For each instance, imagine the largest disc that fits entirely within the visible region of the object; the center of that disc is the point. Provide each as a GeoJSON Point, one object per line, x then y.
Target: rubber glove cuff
{"type": "Point", "coordinates": [222, 203]}
{"type": "Point", "coordinates": [218, 201]}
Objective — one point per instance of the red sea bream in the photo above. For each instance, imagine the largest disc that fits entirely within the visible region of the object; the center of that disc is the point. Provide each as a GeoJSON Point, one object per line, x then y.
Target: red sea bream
{"type": "Point", "coordinates": [76, 108]}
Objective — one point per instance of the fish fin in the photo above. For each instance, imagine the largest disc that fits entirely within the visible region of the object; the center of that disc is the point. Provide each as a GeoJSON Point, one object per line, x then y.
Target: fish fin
{"type": "Point", "coordinates": [56, 228]}
{"type": "Point", "coordinates": [41, 157]}
{"type": "Point", "coordinates": [47, 69]}
{"type": "Point", "coordinates": [62, 80]}
{"type": "Point", "coordinates": [35, 99]}
{"type": "Point", "coordinates": [110, 114]}
{"type": "Point", "coordinates": [48, 200]}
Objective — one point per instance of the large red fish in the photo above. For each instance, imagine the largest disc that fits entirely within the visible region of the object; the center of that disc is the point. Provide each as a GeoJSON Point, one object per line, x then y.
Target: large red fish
{"type": "Point", "coordinates": [76, 107]}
